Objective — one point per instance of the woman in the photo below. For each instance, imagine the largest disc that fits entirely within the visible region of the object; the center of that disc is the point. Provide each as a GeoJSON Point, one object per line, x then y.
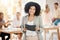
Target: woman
{"type": "Point", "coordinates": [5, 24]}
{"type": "Point", "coordinates": [47, 17]}
{"type": "Point", "coordinates": [32, 22]}
{"type": "Point", "coordinates": [17, 24]}
{"type": "Point", "coordinates": [47, 20]}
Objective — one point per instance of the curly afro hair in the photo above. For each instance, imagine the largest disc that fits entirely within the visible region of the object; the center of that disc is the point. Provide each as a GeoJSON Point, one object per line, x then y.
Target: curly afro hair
{"type": "Point", "coordinates": [37, 6]}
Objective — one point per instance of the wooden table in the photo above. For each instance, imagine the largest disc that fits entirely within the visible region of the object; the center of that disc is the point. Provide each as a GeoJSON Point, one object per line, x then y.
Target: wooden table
{"type": "Point", "coordinates": [18, 31]}
{"type": "Point", "coordinates": [54, 28]}
{"type": "Point", "coordinates": [59, 33]}
{"type": "Point", "coordinates": [10, 32]}
{"type": "Point", "coordinates": [13, 33]}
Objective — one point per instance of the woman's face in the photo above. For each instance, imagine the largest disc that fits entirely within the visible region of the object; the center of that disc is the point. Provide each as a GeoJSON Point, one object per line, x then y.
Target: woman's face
{"type": "Point", "coordinates": [55, 6]}
{"type": "Point", "coordinates": [47, 9]}
{"type": "Point", "coordinates": [32, 10]}
{"type": "Point", "coordinates": [18, 15]}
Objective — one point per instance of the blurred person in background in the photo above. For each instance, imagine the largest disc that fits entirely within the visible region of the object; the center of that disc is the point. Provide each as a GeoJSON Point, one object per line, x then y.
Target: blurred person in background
{"type": "Point", "coordinates": [56, 19]}
{"type": "Point", "coordinates": [47, 17]}
{"type": "Point", "coordinates": [3, 24]}
{"type": "Point", "coordinates": [17, 23]}
{"type": "Point", "coordinates": [56, 13]}
{"type": "Point", "coordinates": [47, 20]}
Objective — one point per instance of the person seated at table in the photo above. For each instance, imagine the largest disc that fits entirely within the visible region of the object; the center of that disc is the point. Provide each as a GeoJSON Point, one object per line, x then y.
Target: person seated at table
{"type": "Point", "coordinates": [32, 22]}
{"type": "Point", "coordinates": [17, 23]}
{"type": "Point", "coordinates": [56, 13]}
{"type": "Point", "coordinates": [3, 23]}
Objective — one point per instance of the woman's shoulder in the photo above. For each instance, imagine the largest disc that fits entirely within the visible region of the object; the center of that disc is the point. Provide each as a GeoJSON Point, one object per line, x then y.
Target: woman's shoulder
{"type": "Point", "coordinates": [24, 17]}
{"type": "Point", "coordinates": [38, 16]}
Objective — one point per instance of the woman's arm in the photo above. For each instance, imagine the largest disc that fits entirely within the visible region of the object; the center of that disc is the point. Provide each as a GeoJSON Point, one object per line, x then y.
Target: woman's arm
{"type": "Point", "coordinates": [40, 22]}
{"type": "Point", "coordinates": [6, 24]}
{"type": "Point", "coordinates": [23, 24]}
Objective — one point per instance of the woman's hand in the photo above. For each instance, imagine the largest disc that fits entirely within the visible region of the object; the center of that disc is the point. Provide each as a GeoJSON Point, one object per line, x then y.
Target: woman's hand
{"type": "Point", "coordinates": [24, 29]}
{"type": "Point", "coordinates": [37, 28]}
{"type": "Point", "coordinates": [18, 26]}
{"type": "Point", "coordinates": [54, 19]}
{"type": "Point", "coordinates": [6, 24]}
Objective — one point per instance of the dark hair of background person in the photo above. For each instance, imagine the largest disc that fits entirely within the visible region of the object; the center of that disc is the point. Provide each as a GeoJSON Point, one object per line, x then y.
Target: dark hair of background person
{"type": "Point", "coordinates": [56, 3]}
{"type": "Point", "coordinates": [1, 13]}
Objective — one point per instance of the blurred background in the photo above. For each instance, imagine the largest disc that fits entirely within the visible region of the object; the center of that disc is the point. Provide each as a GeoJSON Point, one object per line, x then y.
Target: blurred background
{"type": "Point", "coordinates": [10, 7]}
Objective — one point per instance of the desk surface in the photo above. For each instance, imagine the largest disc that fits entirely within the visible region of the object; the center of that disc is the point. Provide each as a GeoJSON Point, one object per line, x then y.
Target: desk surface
{"type": "Point", "coordinates": [18, 30]}
{"type": "Point", "coordinates": [14, 30]}
{"type": "Point", "coordinates": [52, 28]}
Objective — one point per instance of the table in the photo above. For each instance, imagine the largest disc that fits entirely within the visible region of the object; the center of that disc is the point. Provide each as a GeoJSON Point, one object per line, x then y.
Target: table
{"type": "Point", "coordinates": [11, 31]}
{"type": "Point", "coordinates": [17, 30]}
{"type": "Point", "coordinates": [59, 32]}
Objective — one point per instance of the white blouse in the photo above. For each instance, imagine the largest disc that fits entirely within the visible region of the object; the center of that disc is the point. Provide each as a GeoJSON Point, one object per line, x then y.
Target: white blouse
{"type": "Point", "coordinates": [31, 33]}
